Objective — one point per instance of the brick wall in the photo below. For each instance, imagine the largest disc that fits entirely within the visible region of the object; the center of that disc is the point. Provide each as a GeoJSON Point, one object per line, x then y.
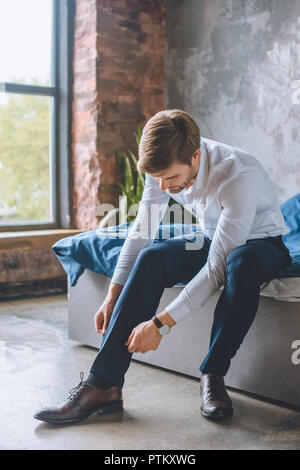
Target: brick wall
{"type": "Point", "coordinates": [30, 272]}
{"type": "Point", "coordinates": [119, 51]}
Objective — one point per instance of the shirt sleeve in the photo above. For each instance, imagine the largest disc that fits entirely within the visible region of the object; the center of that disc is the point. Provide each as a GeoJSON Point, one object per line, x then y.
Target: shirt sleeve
{"type": "Point", "coordinates": [238, 199]}
{"type": "Point", "coordinates": [152, 208]}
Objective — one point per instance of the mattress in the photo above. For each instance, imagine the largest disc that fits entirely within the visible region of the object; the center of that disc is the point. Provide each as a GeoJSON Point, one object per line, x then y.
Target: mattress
{"type": "Point", "coordinates": [287, 289]}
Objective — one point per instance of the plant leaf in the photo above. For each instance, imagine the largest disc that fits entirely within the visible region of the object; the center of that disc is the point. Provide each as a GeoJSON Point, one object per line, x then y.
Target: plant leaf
{"type": "Point", "coordinates": [132, 189]}
{"type": "Point", "coordinates": [138, 135]}
{"type": "Point", "coordinates": [129, 183]}
{"type": "Point", "coordinates": [140, 177]}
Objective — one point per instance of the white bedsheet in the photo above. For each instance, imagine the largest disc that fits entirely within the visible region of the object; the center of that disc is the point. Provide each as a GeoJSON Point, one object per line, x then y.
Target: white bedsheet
{"type": "Point", "coordinates": [287, 289]}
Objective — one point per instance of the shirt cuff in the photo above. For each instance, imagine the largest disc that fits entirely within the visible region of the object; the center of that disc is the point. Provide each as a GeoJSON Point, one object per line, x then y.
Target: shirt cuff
{"type": "Point", "coordinates": [177, 309]}
{"type": "Point", "coordinates": [193, 296]}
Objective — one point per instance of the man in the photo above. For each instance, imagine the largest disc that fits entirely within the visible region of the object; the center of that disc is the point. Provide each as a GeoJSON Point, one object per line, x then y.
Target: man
{"type": "Point", "coordinates": [241, 248]}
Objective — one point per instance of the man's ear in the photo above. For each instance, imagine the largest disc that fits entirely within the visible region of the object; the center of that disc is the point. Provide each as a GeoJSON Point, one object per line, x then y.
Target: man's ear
{"type": "Point", "coordinates": [197, 153]}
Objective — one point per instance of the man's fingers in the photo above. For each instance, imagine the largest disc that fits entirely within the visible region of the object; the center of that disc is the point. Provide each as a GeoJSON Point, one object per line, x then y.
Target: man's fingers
{"type": "Point", "coordinates": [130, 338]}
{"type": "Point", "coordinates": [133, 346]}
{"type": "Point", "coordinates": [97, 324]}
{"type": "Point", "coordinates": [105, 324]}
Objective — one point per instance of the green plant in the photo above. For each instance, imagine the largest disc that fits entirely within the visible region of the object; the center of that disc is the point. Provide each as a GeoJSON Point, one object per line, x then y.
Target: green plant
{"type": "Point", "coordinates": [133, 186]}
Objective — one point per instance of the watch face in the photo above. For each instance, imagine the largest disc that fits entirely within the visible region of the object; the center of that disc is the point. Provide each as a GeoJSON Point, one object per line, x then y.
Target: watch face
{"type": "Point", "coordinates": [164, 329]}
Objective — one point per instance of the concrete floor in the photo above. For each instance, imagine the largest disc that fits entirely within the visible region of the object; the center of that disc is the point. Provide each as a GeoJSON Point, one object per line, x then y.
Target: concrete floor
{"type": "Point", "coordinates": [39, 365]}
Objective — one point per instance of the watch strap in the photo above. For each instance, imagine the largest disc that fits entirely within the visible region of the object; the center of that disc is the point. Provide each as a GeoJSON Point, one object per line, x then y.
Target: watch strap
{"type": "Point", "coordinates": [157, 322]}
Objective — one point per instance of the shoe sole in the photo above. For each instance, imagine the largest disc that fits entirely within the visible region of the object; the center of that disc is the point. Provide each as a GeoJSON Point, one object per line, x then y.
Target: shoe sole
{"type": "Point", "coordinates": [217, 414]}
{"type": "Point", "coordinates": [103, 410]}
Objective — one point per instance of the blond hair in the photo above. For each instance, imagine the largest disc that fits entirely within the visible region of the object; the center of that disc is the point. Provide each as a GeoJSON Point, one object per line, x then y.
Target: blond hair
{"type": "Point", "coordinates": [170, 136]}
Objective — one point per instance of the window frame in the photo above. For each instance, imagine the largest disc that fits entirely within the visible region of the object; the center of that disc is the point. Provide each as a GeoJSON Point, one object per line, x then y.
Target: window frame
{"type": "Point", "coordinates": [63, 15]}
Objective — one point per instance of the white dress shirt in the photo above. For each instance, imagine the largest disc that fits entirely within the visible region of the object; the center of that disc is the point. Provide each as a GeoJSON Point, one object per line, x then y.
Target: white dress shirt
{"type": "Point", "coordinates": [233, 199]}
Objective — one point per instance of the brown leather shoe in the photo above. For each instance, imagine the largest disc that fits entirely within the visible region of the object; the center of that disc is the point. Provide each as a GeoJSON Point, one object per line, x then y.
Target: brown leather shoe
{"type": "Point", "coordinates": [216, 403]}
{"type": "Point", "coordinates": [83, 400]}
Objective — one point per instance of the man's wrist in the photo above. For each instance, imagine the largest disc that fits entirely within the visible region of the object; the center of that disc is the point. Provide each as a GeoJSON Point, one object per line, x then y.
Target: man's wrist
{"type": "Point", "coordinates": [166, 319]}
{"type": "Point", "coordinates": [114, 292]}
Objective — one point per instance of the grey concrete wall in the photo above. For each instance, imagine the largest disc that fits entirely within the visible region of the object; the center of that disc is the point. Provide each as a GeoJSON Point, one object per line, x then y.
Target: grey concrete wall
{"type": "Point", "coordinates": [235, 66]}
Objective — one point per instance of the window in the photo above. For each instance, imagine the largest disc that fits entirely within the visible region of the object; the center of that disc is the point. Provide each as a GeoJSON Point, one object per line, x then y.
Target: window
{"type": "Point", "coordinates": [35, 40]}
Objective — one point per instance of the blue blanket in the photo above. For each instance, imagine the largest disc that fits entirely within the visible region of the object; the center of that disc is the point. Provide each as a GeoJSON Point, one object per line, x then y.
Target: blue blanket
{"type": "Point", "coordinates": [99, 250]}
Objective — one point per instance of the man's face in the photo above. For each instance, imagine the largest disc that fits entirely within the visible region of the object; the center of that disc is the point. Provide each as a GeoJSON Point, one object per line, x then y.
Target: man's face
{"type": "Point", "coordinates": [178, 176]}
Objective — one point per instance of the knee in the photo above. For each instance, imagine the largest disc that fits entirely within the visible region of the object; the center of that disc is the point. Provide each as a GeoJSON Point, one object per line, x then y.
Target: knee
{"type": "Point", "coordinates": [149, 255]}
{"type": "Point", "coordinates": [241, 262]}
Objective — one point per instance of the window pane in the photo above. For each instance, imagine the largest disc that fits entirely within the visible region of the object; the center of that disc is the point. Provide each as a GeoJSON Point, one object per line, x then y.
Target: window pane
{"type": "Point", "coordinates": [25, 166]}
{"type": "Point", "coordinates": [25, 41]}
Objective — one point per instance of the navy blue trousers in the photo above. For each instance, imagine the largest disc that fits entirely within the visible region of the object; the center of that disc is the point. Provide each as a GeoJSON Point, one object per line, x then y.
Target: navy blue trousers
{"type": "Point", "coordinates": [166, 263]}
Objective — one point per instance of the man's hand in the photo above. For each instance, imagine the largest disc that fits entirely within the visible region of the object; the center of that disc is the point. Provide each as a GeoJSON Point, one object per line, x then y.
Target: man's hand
{"type": "Point", "coordinates": [102, 317]}
{"type": "Point", "coordinates": [144, 337]}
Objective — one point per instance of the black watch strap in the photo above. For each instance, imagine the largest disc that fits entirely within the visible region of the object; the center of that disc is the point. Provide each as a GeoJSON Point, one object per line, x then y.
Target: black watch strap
{"type": "Point", "coordinates": [157, 322]}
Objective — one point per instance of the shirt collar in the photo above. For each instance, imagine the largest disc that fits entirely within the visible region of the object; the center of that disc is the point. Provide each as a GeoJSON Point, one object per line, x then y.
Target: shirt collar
{"type": "Point", "coordinates": [202, 175]}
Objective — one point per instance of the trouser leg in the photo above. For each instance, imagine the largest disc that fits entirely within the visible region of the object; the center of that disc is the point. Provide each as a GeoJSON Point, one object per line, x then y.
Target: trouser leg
{"type": "Point", "coordinates": [247, 268]}
{"type": "Point", "coordinates": [162, 265]}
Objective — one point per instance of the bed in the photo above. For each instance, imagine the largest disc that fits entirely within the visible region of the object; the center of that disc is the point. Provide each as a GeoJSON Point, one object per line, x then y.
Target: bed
{"type": "Point", "coordinates": [268, 363]}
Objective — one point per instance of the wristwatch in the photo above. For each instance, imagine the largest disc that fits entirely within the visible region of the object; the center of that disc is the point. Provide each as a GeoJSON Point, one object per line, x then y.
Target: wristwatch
{"type": "Point", "coordinates": [163, 329]}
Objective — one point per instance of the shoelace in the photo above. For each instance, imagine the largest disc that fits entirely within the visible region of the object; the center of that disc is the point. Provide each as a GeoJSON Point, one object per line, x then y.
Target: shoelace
{"type": "Point", "coordinates": [73, 392]}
